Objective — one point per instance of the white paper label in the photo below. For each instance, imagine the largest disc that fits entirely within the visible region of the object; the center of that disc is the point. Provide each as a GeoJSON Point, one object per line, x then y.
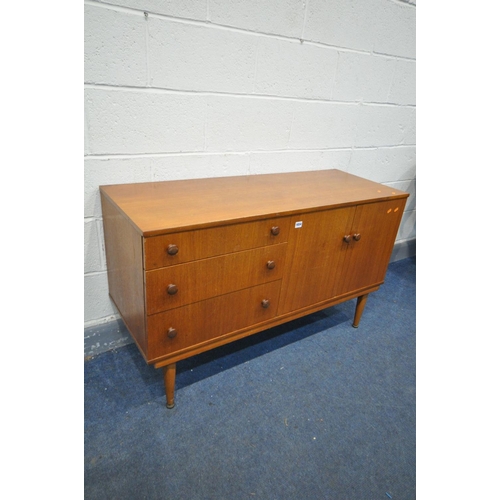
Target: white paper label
{"type": "Point", "coordinates": [298, 224]}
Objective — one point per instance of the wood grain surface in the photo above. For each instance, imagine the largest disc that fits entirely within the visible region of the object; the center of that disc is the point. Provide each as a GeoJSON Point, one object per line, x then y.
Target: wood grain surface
{"type": "Point", "coordinates": [165, 207]}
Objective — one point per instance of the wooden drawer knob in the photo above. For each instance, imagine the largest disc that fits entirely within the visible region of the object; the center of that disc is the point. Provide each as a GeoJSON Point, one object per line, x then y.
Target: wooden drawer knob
{"type": "Point", "coordinates": [172, 249]}
{"type": "Point", "coordinates": [172, 332]}
{"type": "Point", "coordinates": [265, 303]}
{"type": "Point", "coordinates": [271, 264]}
{"type": "Point", "coordinates": [275, 230]}
{"type": "Point", "coordinates": [357, 237]}
{"type": "Point", "coordinates": [172, 289]}
{"type": "Point", "coordinates": [347, 238]}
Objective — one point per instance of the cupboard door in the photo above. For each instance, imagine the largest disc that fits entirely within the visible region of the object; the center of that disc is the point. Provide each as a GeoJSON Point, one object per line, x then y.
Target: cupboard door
{"type": "Point", "coordinates": [313, 269]}
{"type": "Point", "coordinates": [373, 233]}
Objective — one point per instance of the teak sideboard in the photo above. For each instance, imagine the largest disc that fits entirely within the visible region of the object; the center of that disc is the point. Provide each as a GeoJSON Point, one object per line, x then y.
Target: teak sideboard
{"type": "Point", "coordinates": [194, 264]}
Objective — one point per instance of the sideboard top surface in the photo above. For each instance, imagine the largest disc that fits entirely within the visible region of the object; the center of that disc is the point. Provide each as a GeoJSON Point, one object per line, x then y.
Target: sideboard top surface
{"type": "Point", "coordinates": [167, 206]}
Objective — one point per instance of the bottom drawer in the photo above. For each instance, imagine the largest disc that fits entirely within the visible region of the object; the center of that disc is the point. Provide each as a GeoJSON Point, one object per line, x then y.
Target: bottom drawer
{"type": "Point", "coordinates": [190, 325]}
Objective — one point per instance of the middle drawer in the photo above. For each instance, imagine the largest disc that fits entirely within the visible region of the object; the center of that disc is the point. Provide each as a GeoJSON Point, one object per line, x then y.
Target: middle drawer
{"type": "Point", "coordinates": [175, 286]}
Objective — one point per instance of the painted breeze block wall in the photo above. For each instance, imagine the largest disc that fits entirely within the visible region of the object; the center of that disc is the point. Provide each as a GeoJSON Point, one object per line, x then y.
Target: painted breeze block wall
{"type": "Point", "coordinates": [181, 89]}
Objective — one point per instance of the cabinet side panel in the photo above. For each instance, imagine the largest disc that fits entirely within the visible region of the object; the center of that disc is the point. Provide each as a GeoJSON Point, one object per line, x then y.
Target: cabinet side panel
{"type": "Point", "coordinates": [124, 260]}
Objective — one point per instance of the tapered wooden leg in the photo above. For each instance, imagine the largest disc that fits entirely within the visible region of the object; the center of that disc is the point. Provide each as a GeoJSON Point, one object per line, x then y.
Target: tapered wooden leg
{"type": "Point", "coordinates": [169, 378]}
{"type": "Point", "coordinates": [360, 305]}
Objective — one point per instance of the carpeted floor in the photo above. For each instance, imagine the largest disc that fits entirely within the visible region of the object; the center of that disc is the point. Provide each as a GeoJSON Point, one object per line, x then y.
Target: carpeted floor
{"type": "Point", "coordinates": [313, 409]}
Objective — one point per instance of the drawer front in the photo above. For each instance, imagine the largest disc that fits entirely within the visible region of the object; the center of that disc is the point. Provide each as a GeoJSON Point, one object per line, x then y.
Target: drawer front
{"type": "Point", "coordinates": [193, 324]}
{"type": "Point", "coordinates": [176, 286]}
{"type": "Point", "coordinates": [176, 248]}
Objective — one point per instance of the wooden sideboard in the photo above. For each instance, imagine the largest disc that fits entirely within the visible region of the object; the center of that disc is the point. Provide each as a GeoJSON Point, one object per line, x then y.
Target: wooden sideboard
{"type": "Point", "coordinates": [195, 264]}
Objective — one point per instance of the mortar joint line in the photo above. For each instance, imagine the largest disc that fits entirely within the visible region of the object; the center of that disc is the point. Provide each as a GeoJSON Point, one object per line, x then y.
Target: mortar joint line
{"type": "Point", "coordinates": [151, 89]}
{"type": "Point", "coordinates": [209, 24]}
{"type": "Point", "coordinates": [127, 156]}
{"type": "Point", "coordinates": [304, 21]}
{"type": "Point", "coordinates": [148, 68]}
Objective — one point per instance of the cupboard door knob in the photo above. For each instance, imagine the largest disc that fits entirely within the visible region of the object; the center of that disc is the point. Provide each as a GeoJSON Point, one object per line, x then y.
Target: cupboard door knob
{"type": "Point", "coordinates": [347, 238]}
{"type": "Point", "coordinates": [172, 249]}
{"type": "Point", "coordinates": [172, 289]}
{"type": "Point", "coordinates": [275, 230]}
{"type": "Point", "coordinates": [265, 303]}
{"type": "Point", "coordinates": [172, 332]}
{"type": "Point", "coordinates": [357, 237]}
{"type": "Point", "coordinates": [271, 264]}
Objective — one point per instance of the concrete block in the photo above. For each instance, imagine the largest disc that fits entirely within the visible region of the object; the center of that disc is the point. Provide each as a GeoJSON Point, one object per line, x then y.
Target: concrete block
{"type": "Point", "coordinates": [198, 166]}
{"type": "Point", "coordinates": [403, 89]}
{"type": "Point", "coordinates": [247, 124]}
{"type": "Point", "coordinates": [320, 125]}
{"type": "Point", "coordinates": [410, 125]}
{"type": "Point", "coordinates": [188, 9]}
{"type": "Point", "coordinates": [298, 161]}
{"type": "Point", "coordinates": [398, 163]}
{"type": "Point", "coordinates": [86, 146]}
{"type": "Point", "coordinates": [363, 163]}
{"type": "Point", "coordinates": [92, 247]}
{"type": "Point", "coordinates": [97, 304]}
{"type": "Point", "coordinates": [408, 227]}
{"type": "Point", "coordinates": [115, 47]}
{"type": "Point", "coordinates": [281, 17]}
{"type": "Point", "coordinates": [396, 29]}
{"type": "Point", "coordinates": [100, 172]}
{"type": "Point", "coordinates": [343, 23]}
{"type": "Point", "coordinates": [385, 165]}
{"type": "Point", "coordinates": [404, 249]}
{"type": "Point", "coordinates": [289, 68]}
{"type": "Point", "coordinates": [189, 57]}
{"type": "Point", "coordinates": [363, 77]}
{"type": "Point", "coordinates": [384, 126]}
{"type": "Point", "coordinates": [131, 121]}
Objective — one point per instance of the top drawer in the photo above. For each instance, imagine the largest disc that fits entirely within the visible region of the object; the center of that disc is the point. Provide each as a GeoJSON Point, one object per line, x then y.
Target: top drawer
{"type": "Point", "coordinates": [176, 248]}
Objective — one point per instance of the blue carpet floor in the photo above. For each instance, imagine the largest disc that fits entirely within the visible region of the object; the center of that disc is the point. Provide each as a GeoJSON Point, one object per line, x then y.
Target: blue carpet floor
{"type": "Point", "coordinates": [313, 409]}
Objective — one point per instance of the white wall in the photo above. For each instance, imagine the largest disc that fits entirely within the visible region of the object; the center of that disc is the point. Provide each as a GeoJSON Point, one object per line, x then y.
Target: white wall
{"type": "Point", "coordinates": [207, 88]}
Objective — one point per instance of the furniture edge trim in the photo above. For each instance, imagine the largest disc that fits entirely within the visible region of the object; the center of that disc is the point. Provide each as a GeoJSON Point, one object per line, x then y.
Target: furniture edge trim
{"type": "Point", "coordinates": [133, 227]}
{"type": "Point", "coordinates": [112, 202]}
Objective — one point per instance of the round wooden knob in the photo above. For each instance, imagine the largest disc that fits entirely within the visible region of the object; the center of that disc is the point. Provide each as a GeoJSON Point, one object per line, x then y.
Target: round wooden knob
{"type": "Point", "coordinates": [265, 303]}
{"type": "Point", "coordinates": [271, 264]}
{"type": "Point", "coordinates": [275, 230]}
{"type": "Point", "coordinates": [171, 333]}
{"type": "Point", "coordinates": [172, 289]}
{"type": "Point", "coordinates": [172, 249]}
{"type": "Point", "coordinates": [357, 237]}
{"type": "Point", "coordinates": [347, 238]}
